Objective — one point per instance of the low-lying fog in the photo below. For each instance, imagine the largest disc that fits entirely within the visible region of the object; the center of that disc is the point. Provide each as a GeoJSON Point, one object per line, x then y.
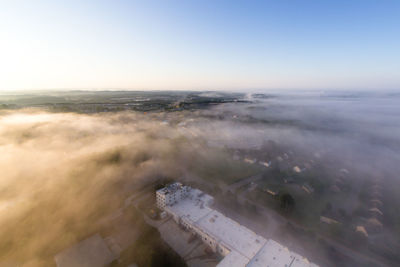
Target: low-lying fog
{"type": "Point", "coordinates": [61, 172]}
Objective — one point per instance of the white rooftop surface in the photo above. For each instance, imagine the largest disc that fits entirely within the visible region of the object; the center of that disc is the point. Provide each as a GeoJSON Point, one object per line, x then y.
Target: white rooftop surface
{"type": "Point", "coordinates": [234, 258]}
{"type": "Point", "coordinates": [91, 252]}
{"type": "Point", "coordinates": [274, 254]}
{"type": "Point", "coordinates": [246, 247]}
{"type": "Point", "coordinates": [194, 206]}
{"type": "Point", "coordinates": [232, 234]}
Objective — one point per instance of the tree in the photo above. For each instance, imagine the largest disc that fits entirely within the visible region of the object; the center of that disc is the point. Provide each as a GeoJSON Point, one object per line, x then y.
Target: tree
{"type": "Point", "coordinates": [251, 207]}
{"type": "Point", "coordinates": [287, 202]}
{"type": "Point", "coordinates": [328, 206]}
{"type": "Point", "coordinates": [217, 190]}
{"type": "Point", "coordinates": [231, 200]}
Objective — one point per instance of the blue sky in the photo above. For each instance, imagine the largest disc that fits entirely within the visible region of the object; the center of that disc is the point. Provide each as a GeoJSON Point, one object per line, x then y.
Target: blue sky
{"type": "Point", "coordinates": [239, 45]}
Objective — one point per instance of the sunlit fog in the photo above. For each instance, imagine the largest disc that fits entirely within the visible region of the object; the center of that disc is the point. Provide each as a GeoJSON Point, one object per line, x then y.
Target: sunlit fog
{"type": "Point", "coordinates": [64, 175]}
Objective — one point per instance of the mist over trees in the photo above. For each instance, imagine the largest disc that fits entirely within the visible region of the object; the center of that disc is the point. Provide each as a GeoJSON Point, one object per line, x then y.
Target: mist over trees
{"type": "Point", "coordinates": [62, 171]}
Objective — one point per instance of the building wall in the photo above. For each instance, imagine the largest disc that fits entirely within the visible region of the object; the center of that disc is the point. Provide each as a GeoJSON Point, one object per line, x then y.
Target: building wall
{"type": "Point", "coordinates": [223, 250]}
{"type": "Point", "coordinates": [161, 201]}
{"type": "Point", "coordinates": [207, 239]}
{"type": "Point", "coordinates": [165, 199]}
{"type": "Point", "coordinates": [186, 222]}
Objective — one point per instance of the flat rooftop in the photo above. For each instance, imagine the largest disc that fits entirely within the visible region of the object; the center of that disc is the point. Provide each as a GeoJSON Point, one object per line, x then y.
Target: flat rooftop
{"type": "Point", "coordinates": [193, 207]}
{"type": "Point", "coordinates": [274, 254]}
{"type": "Point", "coordinates": [169, 189]}
{"type": "Point", "coordinates": [232, 234]}
{"type": "Point", "coordinates": [246, 247]}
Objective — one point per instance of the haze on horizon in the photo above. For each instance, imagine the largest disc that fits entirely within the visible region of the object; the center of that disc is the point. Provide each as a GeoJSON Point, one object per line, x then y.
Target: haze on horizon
{"type": "Point", "coordinates": [203, 45]}
{"type": "Point", "coordinates": [72, 161]}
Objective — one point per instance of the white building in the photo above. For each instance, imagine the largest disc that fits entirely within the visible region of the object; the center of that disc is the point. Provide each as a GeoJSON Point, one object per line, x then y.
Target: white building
{"type": "Point", "coordinates": [239, 245]}
{"type": "Point", "coordinates": [171, 194]}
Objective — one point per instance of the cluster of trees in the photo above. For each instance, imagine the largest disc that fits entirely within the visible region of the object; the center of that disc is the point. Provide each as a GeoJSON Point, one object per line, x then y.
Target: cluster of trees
{"type": "Point", "coordinates": [287, 202]}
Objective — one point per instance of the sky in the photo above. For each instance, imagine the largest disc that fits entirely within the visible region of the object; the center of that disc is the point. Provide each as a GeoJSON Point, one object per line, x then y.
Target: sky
{"type": "Point", "coordinates": [200, 45]}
